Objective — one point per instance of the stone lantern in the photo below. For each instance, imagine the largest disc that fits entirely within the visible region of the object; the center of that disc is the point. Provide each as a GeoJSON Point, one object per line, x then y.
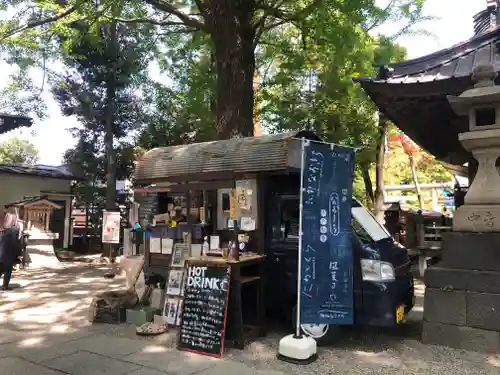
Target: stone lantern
{"type": "Point", "coordinates": [462, 297]}
{"type": "Point", "coordinates": [481, 211]}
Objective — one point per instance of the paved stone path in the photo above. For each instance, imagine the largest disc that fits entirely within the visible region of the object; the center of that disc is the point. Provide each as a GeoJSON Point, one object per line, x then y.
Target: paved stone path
{"type": "Point", "coordinates": [43, 331]}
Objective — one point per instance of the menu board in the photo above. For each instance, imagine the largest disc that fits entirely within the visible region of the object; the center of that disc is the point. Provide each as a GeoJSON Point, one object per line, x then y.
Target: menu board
{"type": "Point", "coordinates": [148, 204]}
{"type": "Point", "coordinates": [203, 322]}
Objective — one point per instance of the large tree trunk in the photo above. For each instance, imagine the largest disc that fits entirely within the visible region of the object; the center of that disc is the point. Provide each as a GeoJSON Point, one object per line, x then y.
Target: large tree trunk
{"type": "Point", "coordinates": [379, 170]}
{"type": "Point", "coordinates": [232, 31]}
{"type": "Point", "coordinates": [109, 124]}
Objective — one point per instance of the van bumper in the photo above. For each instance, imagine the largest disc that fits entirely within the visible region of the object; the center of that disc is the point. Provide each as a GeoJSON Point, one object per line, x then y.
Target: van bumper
{"type": "Point", "coordinates": [381, 300]}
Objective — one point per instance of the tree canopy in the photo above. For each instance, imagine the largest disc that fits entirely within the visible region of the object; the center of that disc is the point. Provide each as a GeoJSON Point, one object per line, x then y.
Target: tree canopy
{"type": "Point", "coordinates": [18, 152]}
{"type": "Point", "coordinates": [207, 56]}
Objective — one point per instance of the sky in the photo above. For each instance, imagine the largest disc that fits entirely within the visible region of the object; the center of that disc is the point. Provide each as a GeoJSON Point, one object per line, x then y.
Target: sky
{"type": "Point", "coordinates": [452, 25]}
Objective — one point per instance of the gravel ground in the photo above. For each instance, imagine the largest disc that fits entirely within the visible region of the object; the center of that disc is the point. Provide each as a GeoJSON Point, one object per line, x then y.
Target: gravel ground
{"type": "Point", "coordinates": [61, 296]}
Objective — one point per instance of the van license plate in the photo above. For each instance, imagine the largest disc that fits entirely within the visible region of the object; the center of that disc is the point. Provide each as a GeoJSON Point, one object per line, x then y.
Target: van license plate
{"type": "Point", "coordinates": [400, 314]}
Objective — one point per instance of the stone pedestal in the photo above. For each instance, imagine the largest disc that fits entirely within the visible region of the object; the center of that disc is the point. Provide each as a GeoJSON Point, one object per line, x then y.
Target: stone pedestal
{"type": "Point", "coordinates": [462, 297]}
{"type": "Point", "coordinates": [477, 218]}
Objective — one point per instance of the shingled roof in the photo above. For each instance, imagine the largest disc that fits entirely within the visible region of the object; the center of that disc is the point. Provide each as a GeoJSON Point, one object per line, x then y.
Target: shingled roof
{"type": "Point", "coordinates": [412, 93]}
{"type": "Point", "coordinates": [59, 172]}
{"type": "Point", "coordinates": [238, 155]}
{"type": "Point", "coordinates": [454, 62]}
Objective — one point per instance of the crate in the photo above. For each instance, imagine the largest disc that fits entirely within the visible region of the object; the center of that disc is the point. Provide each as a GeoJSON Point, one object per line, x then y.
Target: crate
{"type": "Point", "coordinates": [109, 315]}
{"type": "Point", "coordinates": [142, 315]}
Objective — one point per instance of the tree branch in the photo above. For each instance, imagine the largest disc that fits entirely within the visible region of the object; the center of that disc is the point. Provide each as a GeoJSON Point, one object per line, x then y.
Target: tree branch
{"type": "Point", "coordinates": [201, 6]}
{"type": "Point", "coordinates": [260, 25]}
{"type": "Point", "coordinates": [376, 22]}
{"type": "Point", "coordinates": [280, 16]}
{"type": "Point", "coordinates": [150, 21]}
{"type": "Point", "coordinates": [183, 17]}
{"type": "Point", "coordinates": [33, 24]}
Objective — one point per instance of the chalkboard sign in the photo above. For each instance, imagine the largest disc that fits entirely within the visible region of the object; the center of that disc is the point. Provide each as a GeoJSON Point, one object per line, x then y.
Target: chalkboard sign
{"type": "Point", "coordinates": [326, 290]}
{"type": "Point", "coordinates": [203, 322]}
{"type": "Point", "coordinates": [148, 205]}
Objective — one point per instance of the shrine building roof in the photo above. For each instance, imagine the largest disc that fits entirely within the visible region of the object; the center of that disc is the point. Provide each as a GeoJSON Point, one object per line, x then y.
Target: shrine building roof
{"type": "Point", "coordinates": [412, 93]}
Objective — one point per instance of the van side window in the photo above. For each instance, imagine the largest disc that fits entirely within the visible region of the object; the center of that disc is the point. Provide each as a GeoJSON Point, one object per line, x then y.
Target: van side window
{"type": "Point", "coordinates": [362, 234]}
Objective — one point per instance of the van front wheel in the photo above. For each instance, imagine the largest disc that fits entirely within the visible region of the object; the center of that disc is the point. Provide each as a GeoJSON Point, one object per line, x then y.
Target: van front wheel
{"type": "Point", "coordinates": [322, 333]}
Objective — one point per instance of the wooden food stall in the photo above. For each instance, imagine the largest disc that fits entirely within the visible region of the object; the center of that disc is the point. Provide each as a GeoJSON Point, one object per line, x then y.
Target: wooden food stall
{"type": "Point", "coordinates": [230, 204]}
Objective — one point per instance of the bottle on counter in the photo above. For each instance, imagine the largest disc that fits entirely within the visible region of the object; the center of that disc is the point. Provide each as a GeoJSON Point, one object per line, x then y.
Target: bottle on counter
{"type": "Point", "coordinates": [234, 251]}
{"type": "Point", "coordinates": [204, 246]}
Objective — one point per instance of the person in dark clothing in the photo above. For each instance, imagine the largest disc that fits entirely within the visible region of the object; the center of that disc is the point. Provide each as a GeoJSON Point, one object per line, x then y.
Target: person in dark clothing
{"type": "Point", "coordinates": [9, 246]}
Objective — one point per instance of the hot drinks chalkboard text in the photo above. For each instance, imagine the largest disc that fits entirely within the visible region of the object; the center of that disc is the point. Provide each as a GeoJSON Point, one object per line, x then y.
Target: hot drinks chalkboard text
{"type": "Point", "coordinates": [203, 323]}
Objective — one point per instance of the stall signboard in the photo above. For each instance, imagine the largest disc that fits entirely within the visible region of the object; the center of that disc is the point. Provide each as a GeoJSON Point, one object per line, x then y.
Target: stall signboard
{"type": "Point", "coordinates": [148, 205]}
{"type": "Point", "coordinates": [233, 210]}
{"type": "Point", "coordinates": [203, 321]}
{"type": "Point", "coordinates": [326, 284]}
{"type": "Point", "coordinates": [111, 227]}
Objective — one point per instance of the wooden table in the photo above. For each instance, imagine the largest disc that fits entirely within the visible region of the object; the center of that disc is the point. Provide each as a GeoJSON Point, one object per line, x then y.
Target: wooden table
{"type": "Point", "coordinates": [248, 270]}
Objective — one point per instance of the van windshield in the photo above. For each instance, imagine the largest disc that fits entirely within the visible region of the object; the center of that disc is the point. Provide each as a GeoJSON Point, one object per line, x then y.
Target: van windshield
{"type": "Point", "coordinates": [364, 223]}
{"type": "Point", "coordinates": [366, 226]}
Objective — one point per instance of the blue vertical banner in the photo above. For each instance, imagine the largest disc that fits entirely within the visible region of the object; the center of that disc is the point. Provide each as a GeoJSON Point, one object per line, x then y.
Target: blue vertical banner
{"type": "Point", "coordinates": [326, 285]}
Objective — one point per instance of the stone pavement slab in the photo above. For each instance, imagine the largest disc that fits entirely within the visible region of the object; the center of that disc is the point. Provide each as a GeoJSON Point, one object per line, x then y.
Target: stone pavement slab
{"type": "Point", "coordinates": [99, 344]}
{"type": "Point", "coordinates": [172, 361]}
{"type": "Point", "coordinates": [85, 363]}
{"type": "Point", "coordinates": [115, 347]}
{"type": "Point", "coordinates": [147, 371]}
{"type": "Point", "coordinates": [28, 345]}
{"type": "Point", "coordinates": [221, 368]}
{"type": "Point", "coordinates": [42, 334]}
{"type": "Point", "coordinates": [18, 366]}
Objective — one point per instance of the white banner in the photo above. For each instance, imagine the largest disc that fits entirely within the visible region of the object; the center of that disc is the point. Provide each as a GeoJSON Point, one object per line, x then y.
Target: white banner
{"type": "Point", "coordinates": [110, 227]}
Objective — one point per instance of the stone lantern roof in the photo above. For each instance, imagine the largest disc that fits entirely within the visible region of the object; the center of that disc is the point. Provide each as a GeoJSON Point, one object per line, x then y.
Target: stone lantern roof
{"type": "Point", "coordinates": [484, 93]}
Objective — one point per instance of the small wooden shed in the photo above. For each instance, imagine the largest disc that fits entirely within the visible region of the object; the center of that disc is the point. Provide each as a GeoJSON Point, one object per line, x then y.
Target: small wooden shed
{"type": "Point", "coordinates": [35, 212]}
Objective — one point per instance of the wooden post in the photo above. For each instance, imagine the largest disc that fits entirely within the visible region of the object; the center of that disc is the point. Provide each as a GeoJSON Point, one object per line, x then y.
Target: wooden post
{"type": "Point", "coordinates": [47, 218]}
{"type": "Point", "coordinates": [434, 195]}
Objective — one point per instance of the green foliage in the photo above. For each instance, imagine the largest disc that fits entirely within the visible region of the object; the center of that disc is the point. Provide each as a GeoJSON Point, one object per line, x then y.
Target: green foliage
{"type": "Point", "coordinates": [316, 92]}
{"type": "Point", "coordinates": [31, 38]}
{"type": "Point", "coordinates": [397, 168]}
{"type": "Point", "coordinates": [305, 51]}
{"type": "Point", "coordinates": [182, 112]}
{"type": "Point", "coordinates": [18, 152]}
{"type": "Point", "coordinates": [101, 87]}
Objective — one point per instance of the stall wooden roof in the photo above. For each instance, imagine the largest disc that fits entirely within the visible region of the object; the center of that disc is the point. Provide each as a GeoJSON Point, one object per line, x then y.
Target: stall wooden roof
{"type": "Point", "coordinates": [413, 93]}
{"type": "Point", "coordinates": [226, 157]}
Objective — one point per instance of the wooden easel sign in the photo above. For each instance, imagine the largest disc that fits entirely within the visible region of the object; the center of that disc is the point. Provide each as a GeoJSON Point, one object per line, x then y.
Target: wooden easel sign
{"type": "Point", "coordinates": [203, 323]}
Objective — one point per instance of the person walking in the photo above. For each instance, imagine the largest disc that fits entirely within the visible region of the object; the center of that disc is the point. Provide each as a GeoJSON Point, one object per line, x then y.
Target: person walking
{"type": "Point", "coordinates": [10, 246]}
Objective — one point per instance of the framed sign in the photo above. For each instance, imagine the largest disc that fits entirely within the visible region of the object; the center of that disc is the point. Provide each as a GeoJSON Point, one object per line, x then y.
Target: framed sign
{"type": "Point", "coordinates": [204, 310]}
{"type": "Point", "coordinates": [111, 227]}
